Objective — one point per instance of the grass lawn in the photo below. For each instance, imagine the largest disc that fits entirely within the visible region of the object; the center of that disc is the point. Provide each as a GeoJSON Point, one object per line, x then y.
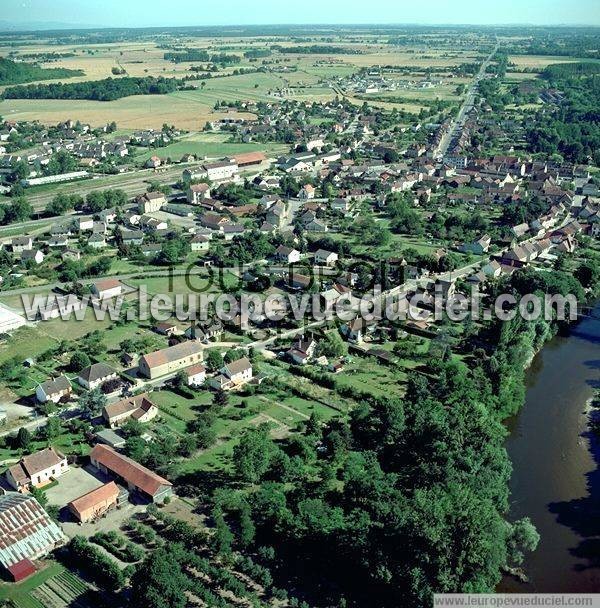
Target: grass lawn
{"type": "Point", "coordinates": [365, 374]}
{"type": "Point", "coordinates": [26, 342]}
{"type": "Point", "coordinates": [207, 144]}
{"type": "Point", "coordinates": [173, 403]}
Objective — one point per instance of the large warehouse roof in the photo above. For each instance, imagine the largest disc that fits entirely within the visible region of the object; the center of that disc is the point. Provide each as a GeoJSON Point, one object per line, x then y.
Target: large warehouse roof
{"type": "Point", "coordinates": [26, 530]}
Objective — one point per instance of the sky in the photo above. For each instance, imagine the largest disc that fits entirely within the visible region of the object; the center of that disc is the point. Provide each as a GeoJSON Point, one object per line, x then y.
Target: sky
{"type": "Point", "coordinates": [143, 13]}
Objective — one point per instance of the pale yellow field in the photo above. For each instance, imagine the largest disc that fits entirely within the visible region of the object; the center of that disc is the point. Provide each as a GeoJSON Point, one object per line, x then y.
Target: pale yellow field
{"type": "Point", "coordinates": [143, 111]}
{"type": "Point", "coordinates": [192, 109]}
{"type": "Point", "coordinates": [538, 61]}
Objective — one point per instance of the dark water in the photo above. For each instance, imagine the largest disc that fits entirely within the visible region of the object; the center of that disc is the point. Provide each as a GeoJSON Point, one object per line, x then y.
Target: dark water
{"type": "Point", "coordinates": [556, 477]}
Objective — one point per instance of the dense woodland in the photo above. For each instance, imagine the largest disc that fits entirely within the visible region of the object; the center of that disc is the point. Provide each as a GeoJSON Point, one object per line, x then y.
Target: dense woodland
{"type": "Point", "coordinates": [12, 72]}
{"type": "Point", "coordinates": [573, 129]}
{"type": "Point", "coordinates": [107, 89]}
{"type": "Point", "coordinates": [191, 55]}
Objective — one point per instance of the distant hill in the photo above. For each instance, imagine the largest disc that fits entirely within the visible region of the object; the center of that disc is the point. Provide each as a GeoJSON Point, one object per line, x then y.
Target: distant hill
{"type": "Point", "coordinates": [13, 72]}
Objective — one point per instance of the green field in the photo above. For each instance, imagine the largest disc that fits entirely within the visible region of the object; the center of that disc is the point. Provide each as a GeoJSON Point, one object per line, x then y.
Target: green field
{"type": "Point", "coordinates": [211, 145]}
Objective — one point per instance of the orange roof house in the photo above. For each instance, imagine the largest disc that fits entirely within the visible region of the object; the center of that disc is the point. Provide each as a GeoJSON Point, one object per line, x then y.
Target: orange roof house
{"type": "Point", "coordinates": [93, 504]}
{"type": "Point", "coordinates": [138, 478]}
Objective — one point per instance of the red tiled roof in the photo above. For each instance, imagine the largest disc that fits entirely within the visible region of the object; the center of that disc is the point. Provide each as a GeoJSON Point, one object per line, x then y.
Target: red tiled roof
{"type": "Point", "coordinates": [249, 157]}
{"type": "Point", "coordinates": [129, 470]}
{"type": "Point", "coordinates": [107, 284]}
{"type": "Point", "coordinates": [194, 369]}
{"type": "Point", "coordinates": [95, 497]}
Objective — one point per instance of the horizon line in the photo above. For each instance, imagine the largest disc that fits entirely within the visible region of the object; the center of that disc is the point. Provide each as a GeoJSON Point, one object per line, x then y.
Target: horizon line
{"type": "Point", "coordinates": [15, 27]}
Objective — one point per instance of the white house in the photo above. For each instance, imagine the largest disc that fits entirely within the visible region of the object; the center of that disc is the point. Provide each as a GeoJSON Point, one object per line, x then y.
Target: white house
{"type": "Point", "coordinates": [37, 469]}
{"type": "Point", "coordinates": [307, 192]}
{"type": "Point", "coordinates": [107, 288]}
{"type": "Point", "coordinates": [197, 193]}
{"type": "Point", "coordinates": [287, 254]}
{"type": "Point", "coordinates": [326, 258]}
{"type": "Point", "coordinates": [53, 390]}
{"type": "Point", "coordinates": [303, 350]}
{"type": "Point", "coordinates": [196, 375]}
{"type": "Point", "coordinates": [139, 408]}
{"type": "Point", "coordinates": [233, 374]}
{"type": "Point", "coordinates": [96, 375]}
{"type": "Point", "coordinates": [22, 243]}
{"type": "Point", "coordinates": [220, 170]}
{"type": "Point", "coordinates": [151, 202]}
{"type": "Point", "coordinates": [32, 254]}
{"type": "Point", "coordinates": [199, 243]}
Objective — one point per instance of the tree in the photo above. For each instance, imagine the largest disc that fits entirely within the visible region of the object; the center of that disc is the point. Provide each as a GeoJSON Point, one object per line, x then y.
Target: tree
{"type": "Point", "coordinates": [332, 345]}
{"type": "Point", "coordinates": [252, 455]}
{"type": "Point", "coordinates": [522, 537]}
{"type": "Point", "coordinates": [187, 445]}
{"type": "Point", "coordinates": [39, 495]}
{"type": "Point", "coordinates": [221, 398]}
{"type": "Point", "coordinates": [79, 361]}
{"type": "Point", "coordinates": [92, 402]}
{"type": "Point", "coordinates": [19, 210]}
{"type": "Point", "coordinates": [132, 428]}
{"type": "Point", "coordinates": [223, 537]}
{"type": "Point", "coordinates": [135, 448]}
{"type": "Point", "coordinates": [247, 528]}
{"type": "Point", "coordinates": [53, 429]}
{"type": "Point", "coordinates": [24, 439]}
{"type": "Point", "coordinates": [102, 569]}
{"type": "Point", "coordinates": [160, 581]}
{"type": "Point", "coordinates": [588, 274]}
{"type": "Point", "coordinates": [214, 360]}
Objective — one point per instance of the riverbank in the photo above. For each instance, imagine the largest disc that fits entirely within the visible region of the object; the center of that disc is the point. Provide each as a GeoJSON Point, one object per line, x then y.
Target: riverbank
{"type": "Point", "coordinates": [556, 480]}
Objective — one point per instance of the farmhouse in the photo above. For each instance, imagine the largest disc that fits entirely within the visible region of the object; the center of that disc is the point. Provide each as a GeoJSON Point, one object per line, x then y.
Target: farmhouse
{"type": "Point", "coordinates": [33, 255]}
{"type": "Point", "coordinates": [132, 237]}
{"type": "Point", "coordinates": [137, 478]}
{"type": "Point", "coordinates": [107, 288]}
{"type": "Point", "coordinates": [28, 532]}
{"type": "Point", "coordinates": [96, 375]}
{"type": "Point", "coordinates": [478, 247]}
{"type": "Point", "coordinates": [36, 469]}
{"type": "Point", "coordinates": [171, 359]}
{"type": "Point", "coordinates": [139, 408]}
{"type": "Point", "coordinates": [53, 390]}
{"type": "Point", "coordinates": [92, 505]}
{"type": "Point", "coordinates": [22, 243]}
{"type": "Point", "coordinates": [307, 192]}
{"type": "Point", "coordinates": [355, 330]}
{"type": "Point", "coordinates": [199, 243]}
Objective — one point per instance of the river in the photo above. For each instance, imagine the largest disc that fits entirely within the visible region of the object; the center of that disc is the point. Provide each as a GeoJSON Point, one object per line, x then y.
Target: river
{"type": "Point", "coordinates": [556, 462]}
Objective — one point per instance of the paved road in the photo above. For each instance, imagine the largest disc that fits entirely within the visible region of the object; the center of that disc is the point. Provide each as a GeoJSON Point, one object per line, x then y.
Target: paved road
{"type": "Point", "coordinates": [457, 123]}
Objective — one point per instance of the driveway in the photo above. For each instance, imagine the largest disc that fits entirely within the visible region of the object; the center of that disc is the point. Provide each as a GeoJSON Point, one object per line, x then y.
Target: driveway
{"type": "Point", "coordinates": [112, 521]}
{"type": "Point", "coordinates": [74, 483]}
